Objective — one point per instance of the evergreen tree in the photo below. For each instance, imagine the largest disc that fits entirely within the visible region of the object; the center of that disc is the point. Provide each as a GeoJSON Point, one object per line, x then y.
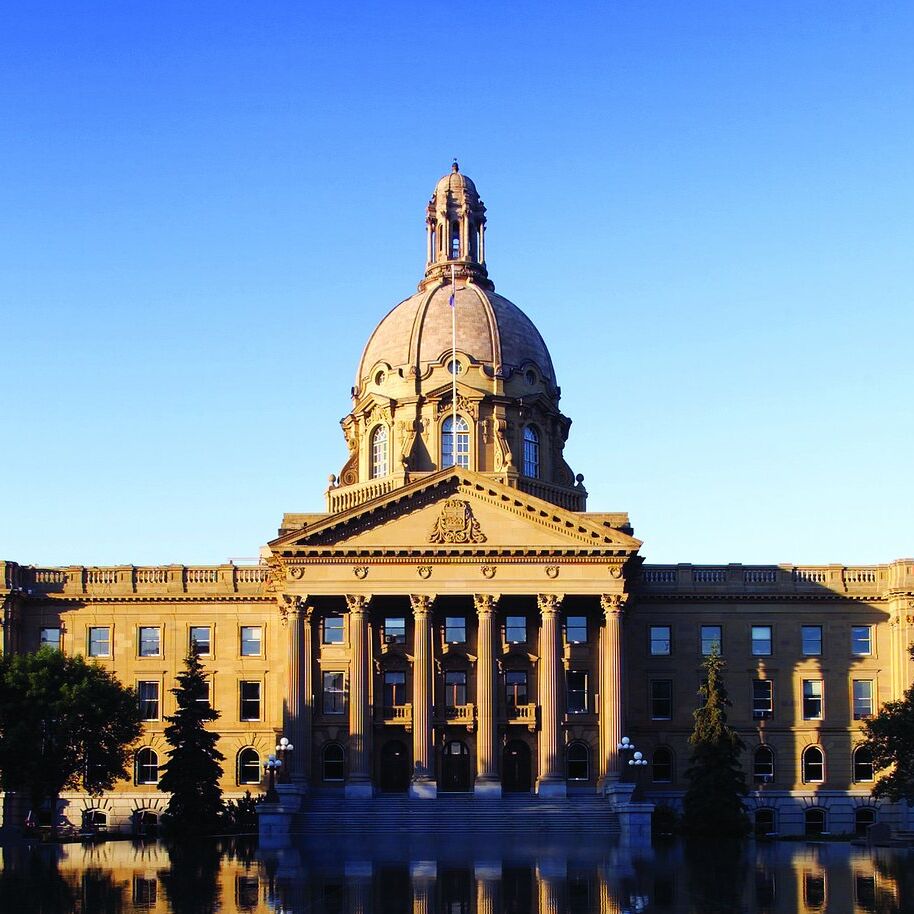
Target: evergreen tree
{"type": "Point", "coordinates": [192, 772]}
{"type": "Point", "coordinates": [716, 783]}
{"type": "Point", "coordinates": [890, 740]}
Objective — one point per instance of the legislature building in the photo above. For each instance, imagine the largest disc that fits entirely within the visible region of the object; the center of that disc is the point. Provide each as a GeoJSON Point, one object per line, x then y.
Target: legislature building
{"type": "Point", "coordinates": [458, 620]}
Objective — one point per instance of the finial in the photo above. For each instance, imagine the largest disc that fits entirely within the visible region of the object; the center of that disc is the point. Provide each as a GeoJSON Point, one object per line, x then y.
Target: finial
{"type": "Point", "coordinates": [455, 167]}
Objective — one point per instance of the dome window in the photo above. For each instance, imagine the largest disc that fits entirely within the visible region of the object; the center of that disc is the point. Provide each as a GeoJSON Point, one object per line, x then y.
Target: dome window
{"type": "Point", "coordinates": [379, 452]}
{"type": "Point", "coordinates": [454, 367]}
{"type": "Point", "coordinates": [380, 378]}
{"type": "Point", "coordinates": [461, 439]}
{"type": "Point", "coordinates": [531, 452]}
{"type": "Point", "coordinates": [455, 241]}
{"type": "Point", "coordinates": [530, 377]}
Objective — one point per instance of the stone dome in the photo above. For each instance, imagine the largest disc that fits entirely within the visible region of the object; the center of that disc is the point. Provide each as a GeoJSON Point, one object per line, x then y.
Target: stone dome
{"type": "Point", "coordinates": [490, 329]}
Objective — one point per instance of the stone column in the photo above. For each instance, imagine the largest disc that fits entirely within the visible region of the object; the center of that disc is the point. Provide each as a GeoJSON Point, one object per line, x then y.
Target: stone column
{"type": "Point", "coordinates": [551, 688]}
{"type": "Point", "coordinates": [610, 688]}
{"type": "Point", "coordinates": [487, 782]}
{"type": "Point", "coordinates": [488, 876]}
{"type": "Point", "coordinates": [359, 782]}
{"type": "Point", "coordinates": [300, 697]}
{"type": "Point", "coordinates": [423, 784]}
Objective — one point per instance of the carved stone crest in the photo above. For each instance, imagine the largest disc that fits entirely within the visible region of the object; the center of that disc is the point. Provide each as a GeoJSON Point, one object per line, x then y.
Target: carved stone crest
{"type": "Point", "coordinates": [456, 524]}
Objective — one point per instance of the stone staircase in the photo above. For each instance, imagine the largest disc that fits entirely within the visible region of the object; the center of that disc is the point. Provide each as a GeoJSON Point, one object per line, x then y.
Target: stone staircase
{"type": "Point", "coordinates": [329, 813]}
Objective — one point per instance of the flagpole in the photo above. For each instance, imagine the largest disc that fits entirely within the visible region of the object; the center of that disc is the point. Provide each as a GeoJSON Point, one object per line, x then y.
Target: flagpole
{"type": "Point", "coordinates": [454, 364]}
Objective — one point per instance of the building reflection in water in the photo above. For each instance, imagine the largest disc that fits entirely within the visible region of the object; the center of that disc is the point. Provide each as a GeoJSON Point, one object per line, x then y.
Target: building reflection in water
{"type": "Point", "coordinates": [436, 876]}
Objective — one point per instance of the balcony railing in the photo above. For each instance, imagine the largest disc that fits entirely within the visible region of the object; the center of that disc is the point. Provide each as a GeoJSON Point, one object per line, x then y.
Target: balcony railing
{"type": "Point", "coordinates": [464, 715]}
{"type": "Point", "coordinates": [396, 715]}
{"type": "Point", "coordinates": [522, 714]}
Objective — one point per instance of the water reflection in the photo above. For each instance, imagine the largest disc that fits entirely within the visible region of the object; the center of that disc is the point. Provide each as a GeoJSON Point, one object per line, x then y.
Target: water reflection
{"type": "Point", "coordinates": [427, 876]}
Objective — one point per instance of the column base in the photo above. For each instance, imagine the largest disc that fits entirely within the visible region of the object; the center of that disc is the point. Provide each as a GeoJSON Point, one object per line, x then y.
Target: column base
{"type": "Point", "coordinates": [635, 822]}
{"type": "Point", "coordinates": [486, 789]}
{"type": "Point", "coordinates": [423, 789]}
{"type": "Point", "coordinates": [359, 790]}
{"type": "Point", "coordinates": [551, 787]}
{"type": "Point", "coordinates": [619, 793]}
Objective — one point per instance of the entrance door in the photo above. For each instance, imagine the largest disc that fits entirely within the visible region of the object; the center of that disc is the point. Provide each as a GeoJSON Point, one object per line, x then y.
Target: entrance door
{"type": "Point", "coordinates": [394, 767]}
{"type": "Point", "coordinates": [515, 767]}
{"type": "Point", "coordinates": [455, 768]}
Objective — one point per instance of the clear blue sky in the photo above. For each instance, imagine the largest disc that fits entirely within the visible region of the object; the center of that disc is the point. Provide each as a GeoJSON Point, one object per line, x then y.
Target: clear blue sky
{"type": "Point", "coordinates": [707, 209]}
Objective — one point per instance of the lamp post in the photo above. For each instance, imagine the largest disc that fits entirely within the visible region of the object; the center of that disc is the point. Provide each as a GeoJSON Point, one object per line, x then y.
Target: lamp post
{"type": "Point", "coordinates": [272, 765]}
{"type": "Point", "coordinates": [636, 762]}
{"type": "Point", "coordinates": [283, 748]}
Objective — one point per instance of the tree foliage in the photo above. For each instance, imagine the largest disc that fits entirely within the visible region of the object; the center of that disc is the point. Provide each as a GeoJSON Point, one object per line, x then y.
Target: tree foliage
{"type": "Point", "coordinates": [713, 802]}
{"type": "Point", "coordinates": [64, 724]}
{"type": "Point", "coordinates": [193, 770]}
{"type": "Point", "coordinates": [890, 739]}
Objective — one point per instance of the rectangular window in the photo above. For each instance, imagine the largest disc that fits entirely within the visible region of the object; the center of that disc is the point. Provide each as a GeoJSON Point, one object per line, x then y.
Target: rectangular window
{"type": "Point", "coordinates": [250, 700]}
{"type": "Point", "coordinates": [661, 699]}
{"type": "Point", "coordinates": [577, 691]}
{"type": "Point", "coordinates": [455, 629]}
{"type": "Point", "coordinates": [50, 637]}
{"type": "Point", "coordinates": [333, 630]}
{"type": "Point", "coordinates": [334, 694]}
{"type": "Point", "coordinates": [100, 641]}
{"type": "Point", "coordinates": [455, 688]}
{"type": "Point", "coordinates": [812, 699]}
{"type": "Point", "coordinates": [204, 698]}
{"type": "Point", "coordinates": [861, 640]}
{"type": "Point", "coordinates": [394, 689]}
{"type": "Point", "coordinates": [576, 629]}
{"type": "Point", "coordinates": [660, 640]}
{"type": "Point", "coordinates": [395, 630]}
{"type": "Point", "coordinates": [251, 638]}
{"type": "Point", "coordinates": [515, 689]}
{"type": "Point", "coordinates": [812, 640]}
{"type": "Point", "coordinates": [150, 641]}
{"type": "Point", "coordinates": [516, 629]}
{"type": "Point", "coordinates": [762, 699]}
{"type": "Point", "coordinates": [148, 693]}
{"type": "Point", "coordinates": [761, 640]}
{"type": "Point", "coordinates": [863, 698]}
{"type": "Point", "coordinates": [711, 639]}
{"type": "Point", "coordinates": [201, 636]}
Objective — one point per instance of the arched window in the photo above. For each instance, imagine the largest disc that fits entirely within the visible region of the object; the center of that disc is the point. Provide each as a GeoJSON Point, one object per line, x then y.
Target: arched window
{"type": "Point", "coordinates": [813, 766]}
{"type": "Point", "coordinates": [94, 819]}
{"type": "Point", "coordinates": [249, 766]}
{"type": "Point", "coordinates": [864, 817]}
{"type": "Point", "coordinates": [764, 821]}
{"type": "Point", "coordinates": [379, 452]}
{"type": "Point", "coordinates": [814, 819]}
{"type": "Point", "coordinates": [662, 766]}
{"type": "Point", "coordinates": [147, 766]}
{"type": "Point", "coordinates": [763, 765]}
{"type": "Point", "coordinates": [333, 762]}
{"type": "Point", "coordinates": [531, 452]}
{"type": "Point", "coordinates": [863, 764]}
{"type": "Point", "coordinates": [447, 442]}
{"type": "Point", "coordinates": [455, 240]}
{"type": "Point", "coordinates": [578, 762]}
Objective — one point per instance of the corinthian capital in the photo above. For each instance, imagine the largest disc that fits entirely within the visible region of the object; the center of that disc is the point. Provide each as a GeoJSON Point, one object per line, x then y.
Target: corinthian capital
{"type": "Point", "coordinates": [357, 603]}
{"type": "Point", "coordinates": [421, 603]}
{"type": "Point", "coordinates": [485, 602]}
{"type": "Point", "coordinates": [549, 603]}
{"type": "Point", "coordinates": [613, 604]}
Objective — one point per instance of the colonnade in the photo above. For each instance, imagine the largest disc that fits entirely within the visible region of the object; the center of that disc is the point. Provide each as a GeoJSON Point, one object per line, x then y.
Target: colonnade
{"type": "Point", "coordinates": [551, 694]}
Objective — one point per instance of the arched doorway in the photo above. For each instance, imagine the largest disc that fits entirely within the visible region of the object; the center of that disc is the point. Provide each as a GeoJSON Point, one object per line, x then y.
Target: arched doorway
{"type": "Point", "coordinates": [455, 768]}
{"type": "Point", "coordinates": [515, 767]}
{"type": "Point", "coordinates": [394, 767]}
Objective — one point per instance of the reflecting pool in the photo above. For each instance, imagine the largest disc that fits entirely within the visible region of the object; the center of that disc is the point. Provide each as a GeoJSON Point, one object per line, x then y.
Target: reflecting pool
{"type": "Point", "coordinates": [444, 874]}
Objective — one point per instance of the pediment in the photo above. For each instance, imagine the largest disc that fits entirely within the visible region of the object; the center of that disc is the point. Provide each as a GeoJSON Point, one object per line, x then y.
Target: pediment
{"type": "Point", "coordinates": [456, 511]}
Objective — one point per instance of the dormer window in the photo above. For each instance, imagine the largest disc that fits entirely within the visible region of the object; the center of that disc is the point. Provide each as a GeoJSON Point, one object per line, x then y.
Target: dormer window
{"type": "Point", "coordinates": [379, 452]}
{"type": "Point", "coordinates": [451, 442]}
{"type": "Point", "coordinates": [531, 452]}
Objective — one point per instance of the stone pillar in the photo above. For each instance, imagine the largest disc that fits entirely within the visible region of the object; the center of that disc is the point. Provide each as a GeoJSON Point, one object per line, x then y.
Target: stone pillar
{"type": "Point", "coordinates": [551, 688]}
{"type": "Point", "coordinates": [488, 876]}
{"type": "Point", "coordinates": [610, 688]}
{"type": "Point", "coordinates": [300, 697]}
{"type": "Point", "coordinates": [359, 782]}
{"type": "Point", "coordinates": [487, 782]}
{"type": "Point", "coordinates": [423, 784]}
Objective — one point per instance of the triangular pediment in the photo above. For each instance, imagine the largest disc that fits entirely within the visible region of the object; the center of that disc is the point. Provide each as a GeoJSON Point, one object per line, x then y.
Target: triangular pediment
{"type": "Point", "coordinates": [456, 510]}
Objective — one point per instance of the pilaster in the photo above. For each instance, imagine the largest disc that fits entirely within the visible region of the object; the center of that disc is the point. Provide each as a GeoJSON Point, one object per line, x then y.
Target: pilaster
{"type": "Point", "coordinates": [300, 695]}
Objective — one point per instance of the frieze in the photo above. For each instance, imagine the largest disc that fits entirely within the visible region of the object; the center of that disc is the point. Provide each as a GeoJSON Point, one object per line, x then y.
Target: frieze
{"type": "Point", "coordinates": [456, 524]}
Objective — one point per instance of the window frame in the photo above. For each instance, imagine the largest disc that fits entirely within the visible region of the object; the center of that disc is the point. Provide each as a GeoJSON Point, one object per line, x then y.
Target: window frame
{"type": "Point", "coordinates": [870, 699]}
{"type": "Point", "coordinates": [665, 765]}
{"type": "Point", "coordinates": [328, 706]}
{"type": "Point", "coordinates": [514, 627]}
{"type": "Point", "coordinates": [146, 703]}
{"type": "Point", "coordinates": [531, 451]}
{"type": "Point", "coordinates": [762, 705]}
{"type": "Point", "coordinates": [244, 643]}
{"type": "Point", "coordinates": [810, 628]}
{"type": "Point", "coordinates": [585, 761]}
{"type": "Point", "coordinates": [578, 624]}
{"type": "Point", "coordinates": [329, 632]}
{"type": "Point", "coordinates": [519, 687]}
{"type": "Point", "coordinates": [654, 699]}
{"type": "Point", "coordinates": [398, 636]}
{"type": "Point", "coordinates": [868, 629]}
{"type": "Point", "coordinates": [191, 640]}
{"type": "Point", "coordinates": [241, 764]}
{"type": "Point", "coordinates": [763, 771]}
{"type": "Point", "coordinates": [140, 641]}
{"type": "Point", "coordinates": [856, 765]}
{"type": "Point", "coordinates": [820, 698]}
{"type": "Point", "coordinates": [754, 642]}
{"type": "Point", "coordinates": [453, 686]}
{"type": "Point", "coordinates": [90, 644]}
{"type": "Point", "coordinates": [139, 766]}
{"type": "Point", "coordinates": [583, 690]}
{"type": "Point", "coordinates": [332, 745]}
{"type": "Point", "coordinates": [249, 700]}
{"type": "Point", "coordinates": [394, 689]}
{"type": "Point", "coordinates": [653, 640]}
{"type": "Point", "coordinates": [454, 625]}
{"type": "Point", "coordinates": [379, 452]}
{"type": "Point", "coordinates": [462, 443]}
{"type": "Point", "coordinates": [53, 644]}
{"type": "Point", "coordinates": [807, 765]}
